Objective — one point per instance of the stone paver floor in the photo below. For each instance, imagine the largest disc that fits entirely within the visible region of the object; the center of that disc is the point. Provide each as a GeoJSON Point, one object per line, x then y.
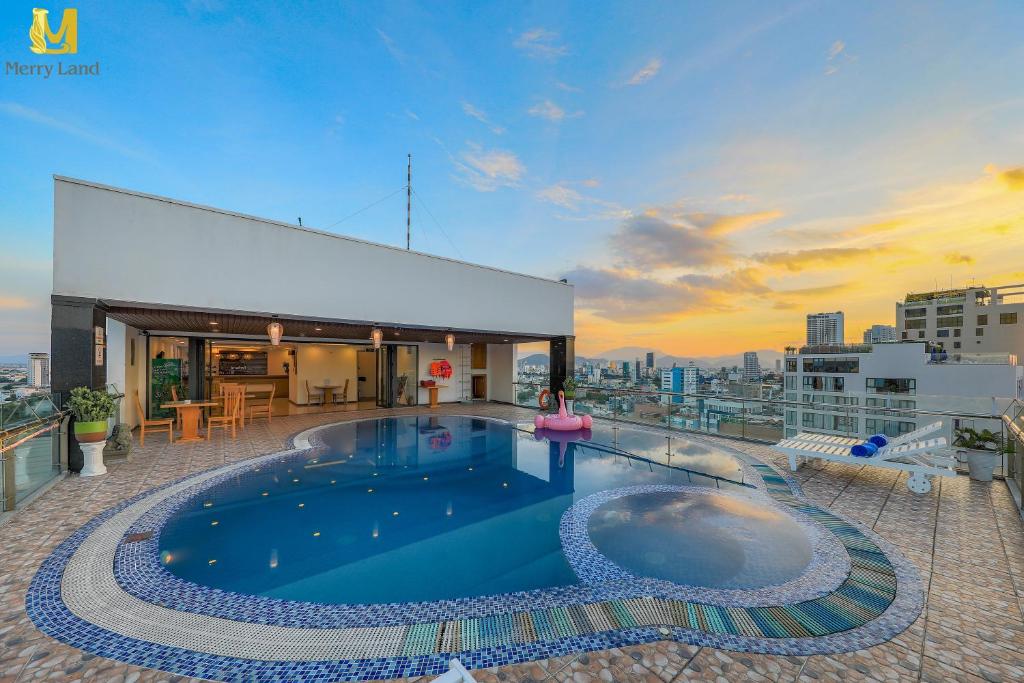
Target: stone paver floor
{"type": "Point", "coordinates": [965, 537]}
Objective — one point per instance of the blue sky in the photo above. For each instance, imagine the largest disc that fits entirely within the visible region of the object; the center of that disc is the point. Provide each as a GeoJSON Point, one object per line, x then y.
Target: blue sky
{"type": "Point", "coordinates": [671, 158]}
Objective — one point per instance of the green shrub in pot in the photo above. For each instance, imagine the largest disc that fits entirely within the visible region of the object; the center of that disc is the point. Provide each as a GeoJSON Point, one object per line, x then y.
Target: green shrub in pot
{"type": "Point", "coordinates": [91, 409]}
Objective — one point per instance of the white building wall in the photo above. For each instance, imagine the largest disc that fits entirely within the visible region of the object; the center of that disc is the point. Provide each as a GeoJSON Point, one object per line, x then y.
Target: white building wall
{"type": "Point", "coordinates": [111, 244]}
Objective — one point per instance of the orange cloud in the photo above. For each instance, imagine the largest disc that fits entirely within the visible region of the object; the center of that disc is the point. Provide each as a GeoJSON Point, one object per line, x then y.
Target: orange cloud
{"type": "Point", "coordinates": [823, 258]}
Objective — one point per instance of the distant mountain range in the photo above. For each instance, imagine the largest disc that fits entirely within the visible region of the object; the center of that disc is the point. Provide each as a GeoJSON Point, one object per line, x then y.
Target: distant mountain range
{"type": "Point", "coordinates": [767, 358]}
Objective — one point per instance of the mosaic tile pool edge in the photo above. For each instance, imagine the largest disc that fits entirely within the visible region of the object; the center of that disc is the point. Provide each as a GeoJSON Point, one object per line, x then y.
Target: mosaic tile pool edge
{"type": "Point", "coordinates": [49, 613]}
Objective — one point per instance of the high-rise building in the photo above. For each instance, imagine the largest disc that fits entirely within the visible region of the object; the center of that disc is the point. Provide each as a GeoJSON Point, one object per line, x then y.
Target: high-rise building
{"type": "Point", "coordinates": [778, 365]}
{"type": "Point", "coordinates": [880, 334]}
{"type": "Point", "coordinates": [626, 371]}
{"type": "Point", "coordinates": [637, 371]}
{"type": "Point", "coordinates": [650, 360]}
{"type": "Point", "coordinates": [672, 380]}
{"type": "Point", "coordinates": [974, 319]}
{"type": "Point", "coordinates": [859, 391]}
{"type": "Point", "coordinates": [39, 369]}
{"type": "Point", "coordinates": [825, 328]}
{"type": "Point", "coordinates": [691, 378]}
{"type": "Point", "coordinates": [751, 367]}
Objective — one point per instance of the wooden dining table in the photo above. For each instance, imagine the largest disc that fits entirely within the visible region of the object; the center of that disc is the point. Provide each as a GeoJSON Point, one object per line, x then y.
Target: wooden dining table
{"type": "Point", "coordinates": [328, 390]}
{"type": "Point", "coordinates": [188, 414]}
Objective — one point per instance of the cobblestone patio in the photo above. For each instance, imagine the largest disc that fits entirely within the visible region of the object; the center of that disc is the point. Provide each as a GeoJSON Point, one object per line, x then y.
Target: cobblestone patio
{"type": "Point", "coordinates": [966, 539]}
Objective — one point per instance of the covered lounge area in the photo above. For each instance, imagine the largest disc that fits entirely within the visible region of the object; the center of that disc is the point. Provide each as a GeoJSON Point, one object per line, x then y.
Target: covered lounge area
{"type": "Point", "coordinates": [126, 315]}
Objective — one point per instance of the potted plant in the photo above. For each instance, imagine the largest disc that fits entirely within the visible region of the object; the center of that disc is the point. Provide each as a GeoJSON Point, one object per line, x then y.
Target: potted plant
{"type": "Point", "coordinates": [982, 450]}
{"type": "Point", "coordinates": [569, 389]}
{"type": "Point", "coordinates": [91, 410]}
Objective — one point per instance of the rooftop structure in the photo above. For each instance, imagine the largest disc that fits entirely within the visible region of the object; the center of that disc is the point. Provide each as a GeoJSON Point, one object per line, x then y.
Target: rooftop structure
{"type": "Point", "coordinates": [973, 319]}
{"type": "Point", "coordinates": [825, 328]}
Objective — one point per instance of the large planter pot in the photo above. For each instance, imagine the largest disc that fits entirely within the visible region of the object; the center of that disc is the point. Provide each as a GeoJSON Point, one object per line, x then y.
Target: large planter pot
{"type": "Point", "coordinates": [981, 464]}
{"type": "Point", "coordinates": [91, 432]}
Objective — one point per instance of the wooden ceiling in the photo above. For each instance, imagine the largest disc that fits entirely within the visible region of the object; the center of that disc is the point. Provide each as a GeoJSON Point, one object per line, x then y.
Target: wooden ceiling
{"type": "Point", "coordinates": [216, 325]}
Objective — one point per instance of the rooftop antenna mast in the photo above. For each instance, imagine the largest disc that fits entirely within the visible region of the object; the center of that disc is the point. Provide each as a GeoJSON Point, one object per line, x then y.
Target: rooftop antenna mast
{"type": "Point", "coordinates": [408, 206]}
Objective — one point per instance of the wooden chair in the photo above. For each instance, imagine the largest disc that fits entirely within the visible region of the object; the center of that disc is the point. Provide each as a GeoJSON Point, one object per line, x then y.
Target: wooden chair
{"type": "Point", "coordinates": [237, 391]}
{"type": "Point", "coordinates": [342, 396]}
{"type": "Point", "coordinates": [177, 414]}
{"type": "Point", "coordinates": [257, 407]}
{"type": "Point", "coordinates": [165, 424]}
{"type": "Point", "coordinates": [314, 396]}
{"type": "Point", "coordinates": [230, 418]}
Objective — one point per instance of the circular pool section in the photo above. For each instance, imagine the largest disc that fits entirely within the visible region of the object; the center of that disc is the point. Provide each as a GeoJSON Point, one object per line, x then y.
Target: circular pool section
{"type": "Point", "coordinates": [413, 509]}
{"type": "Point", "coordinates": [706, 540]}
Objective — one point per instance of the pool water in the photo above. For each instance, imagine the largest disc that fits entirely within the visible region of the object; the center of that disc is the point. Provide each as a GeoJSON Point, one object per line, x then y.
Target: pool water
{"type": "Point", "coordinates": [715, 541]}
{"type": "Point", "coordinates": [404, 509]}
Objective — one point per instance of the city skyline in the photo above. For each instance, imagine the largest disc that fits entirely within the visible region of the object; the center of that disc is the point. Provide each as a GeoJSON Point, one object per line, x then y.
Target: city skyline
{"type": "Point", "coordinates": [704, 179]}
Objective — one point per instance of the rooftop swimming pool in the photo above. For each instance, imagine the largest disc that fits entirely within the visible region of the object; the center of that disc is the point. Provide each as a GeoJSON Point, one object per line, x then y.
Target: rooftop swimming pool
{"type": "Point", "coordinates": [409, 509]}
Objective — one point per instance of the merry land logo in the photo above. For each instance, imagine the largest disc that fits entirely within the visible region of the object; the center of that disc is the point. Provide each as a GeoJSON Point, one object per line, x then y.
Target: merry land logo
{"type": "Point", "coordinates": [44, 41]}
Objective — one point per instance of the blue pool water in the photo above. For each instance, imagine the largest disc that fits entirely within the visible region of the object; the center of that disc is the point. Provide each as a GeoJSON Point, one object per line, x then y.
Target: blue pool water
{"type": "Point", "coordinates": [416, 508]}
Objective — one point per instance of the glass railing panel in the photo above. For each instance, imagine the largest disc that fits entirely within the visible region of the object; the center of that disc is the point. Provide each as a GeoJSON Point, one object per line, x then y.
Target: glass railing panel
{"type": "Point", "coordinates": [36, 463]}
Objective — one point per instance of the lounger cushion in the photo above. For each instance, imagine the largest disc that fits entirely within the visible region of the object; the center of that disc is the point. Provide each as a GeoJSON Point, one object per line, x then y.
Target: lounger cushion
{"type": "Point", "coordinates": [879, 440]}
{"type": "Point", "coordinates": [864, 450]}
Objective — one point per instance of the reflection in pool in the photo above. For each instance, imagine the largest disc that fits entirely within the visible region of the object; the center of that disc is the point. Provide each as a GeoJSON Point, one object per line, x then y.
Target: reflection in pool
{"type": "Point", "coordinates": [414, 508]}
{"type": "Point", "coordinates": [714, 541]}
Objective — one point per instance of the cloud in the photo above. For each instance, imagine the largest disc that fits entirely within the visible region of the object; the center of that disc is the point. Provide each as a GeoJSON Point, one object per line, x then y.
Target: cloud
{"type": "Point", "coordinates": [649, 241]}
{"type": "Point", "coordinates": [551, 111]}
{"type": "Point", "coordinates": [723, 224]}
{"type": "Point", "coordinates": [808, 259]}
{"type": "Point", "coordinates": [473, 112]}
{"type": "Point", "coordinates": [561, 195]}
{"type": "Point", "coordinates": [540, 43]}
{"type": "Point", "coordinates": [564, 194]}
{"type": "Point", "coordinates": [488, 169]}
{"type": "Point", "coordinates": [1012, 178]}
{"type": "Point", "coordinates": [625, 297]}
{"type": "Point", "coordinates": [28, 114]}
{"type": "Point", "coordinates": [837, 57]}
{"type": "Point", "coordinates": [646, 73]}
{"type": "Point", "coordinates": [412, 115]}
{"type": "Point", "coordinates": [958, 259]}
{"type": "Point", "coordinates": [14, 303]}
{"type": "Point", "coordinates": [391, 47]}
{"type": "Point", "coordinates": [562, 85]}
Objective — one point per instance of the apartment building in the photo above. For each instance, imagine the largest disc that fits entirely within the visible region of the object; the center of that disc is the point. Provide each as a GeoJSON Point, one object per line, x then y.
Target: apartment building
{"type": "Point", "coordinates": [825, 328]}
{"type": "Point", "coordinates": [869, 389]}
{"type": "Point", "coordinates": [38, 369]}
{"type": "Point", "coordinates": [751, 367]}
{"type": "Point", "coordinates": [974, 319]}
{"type": "Point", "coordinates": [880, 334]}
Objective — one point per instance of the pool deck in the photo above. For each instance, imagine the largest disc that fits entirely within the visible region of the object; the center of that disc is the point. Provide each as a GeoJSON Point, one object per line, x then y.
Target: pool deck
{"type": "Point", "coordinates": [965, 538]}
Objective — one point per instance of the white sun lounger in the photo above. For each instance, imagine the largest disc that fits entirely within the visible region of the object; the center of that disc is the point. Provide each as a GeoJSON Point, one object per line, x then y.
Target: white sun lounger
{"type": "Point", "coordinates": [922, 458]}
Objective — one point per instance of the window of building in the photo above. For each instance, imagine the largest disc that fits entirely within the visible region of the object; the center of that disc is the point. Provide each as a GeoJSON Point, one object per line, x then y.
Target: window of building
{"type": "Point", "coordinates": [846, 365]}
{"type": "Point", "coordinates": [942, 333]}
{"type": "Point", "coordinates": [950, 321]}
{"type": "Point", "coordinates": [918, 324]}
{"type": "Point", "coordinates": [983, 319]}
{"type": "Point", "coordinates": [956, 332]}
{"type": "Point", "coordinates": [791, 365]}
{"type": "Point", "coordinates": [1008, 318]}
{"type": "Point", "coordinates": [915, 312]}
{"type": "Point", "coordinates": [890, 385]}
{"type": "Point", "coordinates": [920, 335]}
{"type": "Point", "coordinates": [955, 309]}
{"type": "Point", "coordinates": [956, 345]}
{"type": "Point", "coordinates": [888, 427]}
{"type": "Point", "coordinates": [904, 335]}
{"type": "Point", "coordinates": [791, 381]}
{"type": "Point", "coordinates": [979, 331]}
{"type": "Point", "coordinates": [791, 417]}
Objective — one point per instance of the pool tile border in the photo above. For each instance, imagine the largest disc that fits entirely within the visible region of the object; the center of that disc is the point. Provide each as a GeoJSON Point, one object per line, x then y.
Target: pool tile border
{"type": "Point", "coordinates": [881, 610]}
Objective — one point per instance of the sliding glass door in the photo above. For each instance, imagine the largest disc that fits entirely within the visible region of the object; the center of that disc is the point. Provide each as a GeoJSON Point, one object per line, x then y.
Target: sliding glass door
{"type": "Point", "coordinates": [397, 368]}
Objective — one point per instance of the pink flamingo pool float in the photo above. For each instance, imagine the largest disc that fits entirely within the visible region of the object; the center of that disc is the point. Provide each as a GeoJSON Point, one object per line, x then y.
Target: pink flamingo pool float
{"type": "Point", "coordinates": [563, 422]}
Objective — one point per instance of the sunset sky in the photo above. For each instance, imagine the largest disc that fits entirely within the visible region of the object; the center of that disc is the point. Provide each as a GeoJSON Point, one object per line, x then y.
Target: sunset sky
{"type": "Point", "coordinates": [705, 173]}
